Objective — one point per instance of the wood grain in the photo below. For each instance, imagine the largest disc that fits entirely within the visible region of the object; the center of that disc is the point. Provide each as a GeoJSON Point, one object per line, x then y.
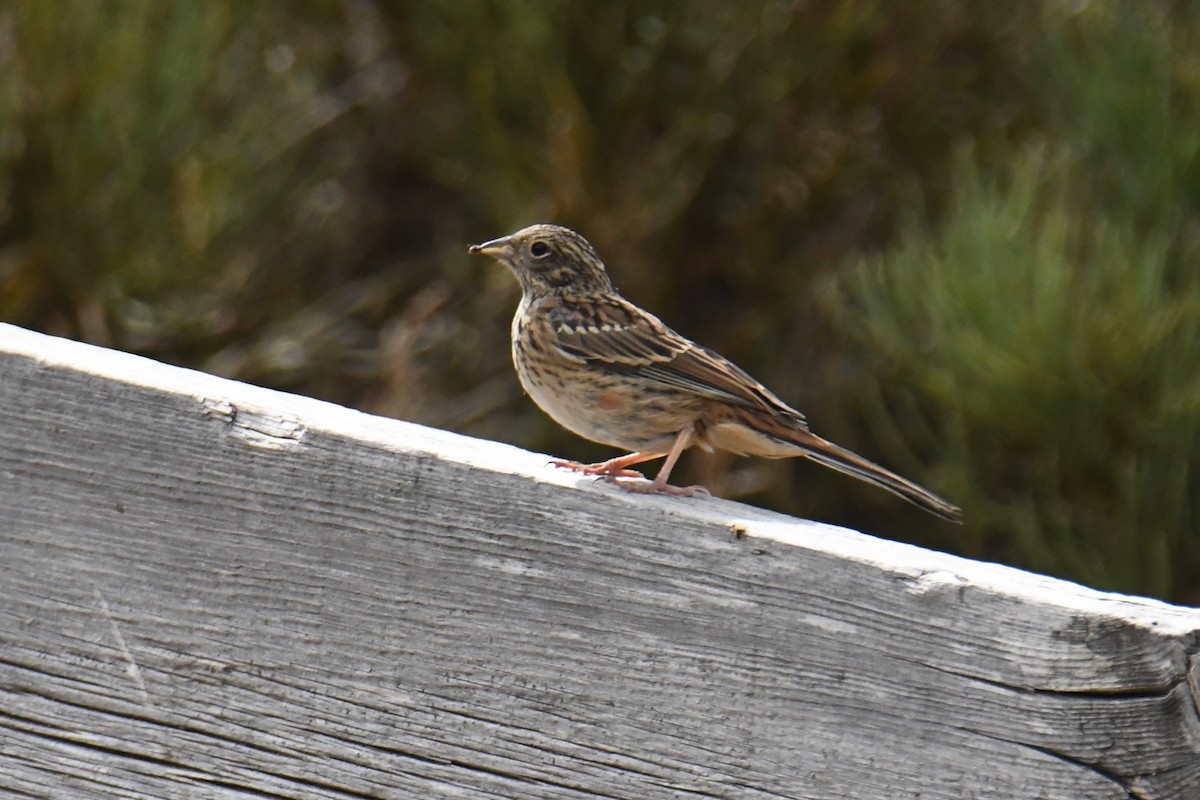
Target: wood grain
{"type": "Point", "coordinates": [209, 589]}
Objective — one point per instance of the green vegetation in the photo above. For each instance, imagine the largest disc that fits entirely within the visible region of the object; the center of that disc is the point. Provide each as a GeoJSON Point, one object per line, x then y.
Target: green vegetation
{"type": "Point", "coordinates": [965, 241]}
{"type": "Point", "coordinates": [1043, 336]}
{"type": "Point", "coordinates": [1053, 365]}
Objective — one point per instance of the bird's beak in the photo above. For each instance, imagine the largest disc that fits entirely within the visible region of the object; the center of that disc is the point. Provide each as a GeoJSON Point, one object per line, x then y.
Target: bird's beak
{"type": "Point", "coordinates": [500, 249]}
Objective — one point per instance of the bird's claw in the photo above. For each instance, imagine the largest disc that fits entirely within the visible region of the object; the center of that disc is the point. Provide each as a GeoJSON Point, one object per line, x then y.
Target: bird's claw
{"type": "Point", "coordinates": [601, 470]}
{"type": "Point", "coordinates": [654, 487]}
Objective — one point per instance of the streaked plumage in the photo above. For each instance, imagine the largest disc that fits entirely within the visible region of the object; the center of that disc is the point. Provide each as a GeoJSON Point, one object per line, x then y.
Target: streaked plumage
{"type": "Point", "coordinates": [609, 371]}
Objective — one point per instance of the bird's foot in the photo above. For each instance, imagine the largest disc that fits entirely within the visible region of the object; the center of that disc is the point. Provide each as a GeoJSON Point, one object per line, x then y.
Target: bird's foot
{"type": "Point", "coordinates": [603, 469]}
{"type": "Point", "coordinates": [654, 487]}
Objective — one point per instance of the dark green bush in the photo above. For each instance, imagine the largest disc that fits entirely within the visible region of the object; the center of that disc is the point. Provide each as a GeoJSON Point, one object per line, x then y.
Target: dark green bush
{"type": "Point", "coordinates": [1053, 367]}
{"type": "Point", "coordinates": [1043, 337]}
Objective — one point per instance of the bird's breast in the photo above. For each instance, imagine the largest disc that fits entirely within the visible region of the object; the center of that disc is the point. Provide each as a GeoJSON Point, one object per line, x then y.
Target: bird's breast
{"type": "Point", "coordinates": [590, 400]}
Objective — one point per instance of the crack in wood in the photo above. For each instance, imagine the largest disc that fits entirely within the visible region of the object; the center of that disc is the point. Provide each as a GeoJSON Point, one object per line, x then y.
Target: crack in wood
{"type": "Point", "coordinates": [258, 428]}
{"type": "Point", "coordinates": [1117, 780]}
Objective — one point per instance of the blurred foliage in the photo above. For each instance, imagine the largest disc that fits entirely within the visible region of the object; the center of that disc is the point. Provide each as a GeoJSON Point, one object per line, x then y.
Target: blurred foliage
{"type": "Point", "coordinates": [961, 237]}
{"type": "Point", "coordinates": [176, 172]}
{"type": "Point", "coordinates": [1052, 366]}
{"type": "Point", "coordinates": [1043, 337]}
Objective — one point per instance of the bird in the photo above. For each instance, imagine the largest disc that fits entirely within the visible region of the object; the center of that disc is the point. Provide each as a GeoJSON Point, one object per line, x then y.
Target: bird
{"type": "Point", "coordinates": [611, 372]}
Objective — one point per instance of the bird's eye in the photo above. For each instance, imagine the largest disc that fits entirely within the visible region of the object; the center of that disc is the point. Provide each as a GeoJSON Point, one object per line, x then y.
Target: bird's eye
{"type": "Point", "coordinates": [539, 249]}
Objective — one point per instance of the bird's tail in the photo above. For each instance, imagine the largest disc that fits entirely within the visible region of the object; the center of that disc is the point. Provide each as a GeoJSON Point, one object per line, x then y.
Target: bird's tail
{"type": "Point", "coordinates": [841, 459]}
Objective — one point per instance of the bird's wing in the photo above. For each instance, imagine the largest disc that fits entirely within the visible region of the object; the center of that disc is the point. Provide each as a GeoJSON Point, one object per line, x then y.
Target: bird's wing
{"type": "Point", "coordinates": [619, 336]}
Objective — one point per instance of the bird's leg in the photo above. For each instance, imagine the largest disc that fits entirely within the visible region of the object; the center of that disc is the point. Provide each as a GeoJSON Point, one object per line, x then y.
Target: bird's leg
{"type": "Point", "coordinates": [613, 468]}
{"type": "Point", "coordinates": [659, 485]}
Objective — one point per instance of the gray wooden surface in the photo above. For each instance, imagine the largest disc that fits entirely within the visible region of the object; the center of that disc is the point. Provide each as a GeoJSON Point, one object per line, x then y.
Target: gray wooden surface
{"type": "Point", "coordinates": [213, 590]}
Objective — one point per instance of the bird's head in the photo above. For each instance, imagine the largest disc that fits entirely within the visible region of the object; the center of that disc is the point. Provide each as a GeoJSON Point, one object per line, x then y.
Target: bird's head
{"type": "Point", "coordinates": [549, 259]}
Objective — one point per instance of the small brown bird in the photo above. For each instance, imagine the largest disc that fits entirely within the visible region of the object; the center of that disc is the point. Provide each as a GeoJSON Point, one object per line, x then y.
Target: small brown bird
{"type": "Point", "coordinates": [609, 371]}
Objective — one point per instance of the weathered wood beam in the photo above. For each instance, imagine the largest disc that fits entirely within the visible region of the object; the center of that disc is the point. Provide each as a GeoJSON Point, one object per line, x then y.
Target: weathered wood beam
{"type": "Point", "coordinates": [209, 589]}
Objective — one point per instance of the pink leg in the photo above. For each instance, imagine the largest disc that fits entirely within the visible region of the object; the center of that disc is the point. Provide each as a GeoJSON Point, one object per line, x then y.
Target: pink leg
{"type": "Point", "coordinates": [613, 468]}
{"type": "Point", "coordinates": [659, 485]}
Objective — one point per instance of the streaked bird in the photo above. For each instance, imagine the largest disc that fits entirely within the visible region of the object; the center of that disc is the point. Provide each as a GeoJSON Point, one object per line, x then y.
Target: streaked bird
{"type": "Point", "coordinates": [613, 373]}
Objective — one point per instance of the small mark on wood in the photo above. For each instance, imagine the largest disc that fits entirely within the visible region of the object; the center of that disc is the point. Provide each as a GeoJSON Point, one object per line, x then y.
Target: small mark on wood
{"type": "Point", "coordinates": [256, 427]}
{"type": "Point", "coordinates": [132, 669]}
{"type": "Point", "coordinates": [936, 583]}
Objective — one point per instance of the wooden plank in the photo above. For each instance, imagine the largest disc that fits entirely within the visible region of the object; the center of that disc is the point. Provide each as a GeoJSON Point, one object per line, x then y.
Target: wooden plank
{"type": "Point", "coordinates": [214, 590]}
